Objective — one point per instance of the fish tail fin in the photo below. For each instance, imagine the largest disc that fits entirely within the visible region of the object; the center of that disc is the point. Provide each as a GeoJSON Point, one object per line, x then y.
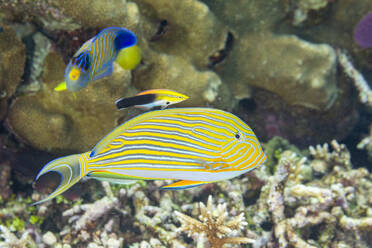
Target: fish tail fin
{"type": "Point", "coordinates": [124, 38]}
{"type": "Point", "coordinates": [71, 169]}
{"type": "Point", "coordinates": [128, 58]}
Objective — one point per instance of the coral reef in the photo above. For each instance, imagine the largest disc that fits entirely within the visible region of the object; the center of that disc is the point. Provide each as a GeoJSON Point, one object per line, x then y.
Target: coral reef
{"type": "Point", "coordinates": [297, 201]}
{"type": "Point", "coordinates": [213, 225]}
{"type": "Point", "coordinates": [6, 191]}
{"type": "Point", "coordinates": [203, 34]}
{"type": "Point", "coordinates": [290, 69]}
{"type": "Point", "coordinates": [12, 61]}
{"type": "Point", "coordinates": [365, 92]}
{"type": "Point", "coordinates": [70, 15]}
{"type": "Point", "coordinates": [296, 207]}
{"type": "Point", "coordinates": [294, 82]}
{"type": "Point", "coordinates": [308, 11]}
{"type": "Point", "coordinates": [59, 120]}
{"type": "Point", "coordinates": [42, 47]}
{"type": "Point", "coordinates": [162, 70]}
{"type": "Point", "coordinates": [266, 68]}
{"type": "Point", "coordinates": [11, 241]}
{"type": "Point", "coordinates": [165, 61]}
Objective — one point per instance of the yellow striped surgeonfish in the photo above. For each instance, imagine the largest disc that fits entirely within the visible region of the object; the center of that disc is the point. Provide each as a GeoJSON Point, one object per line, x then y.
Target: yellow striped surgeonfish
{"type": "Point", "coordinates": [94, 59]}
{"type": "Point", "coordinates": [149, 99]}
{"type": "Point", "coordinates": [193, 145]}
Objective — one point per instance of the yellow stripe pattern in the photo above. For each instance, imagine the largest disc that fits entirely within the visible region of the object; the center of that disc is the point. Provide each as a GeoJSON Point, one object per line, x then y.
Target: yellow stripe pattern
{"type": "Point", "coordinates": [199, 144]}
{"type": "Point", "coordinates": [101, 50]}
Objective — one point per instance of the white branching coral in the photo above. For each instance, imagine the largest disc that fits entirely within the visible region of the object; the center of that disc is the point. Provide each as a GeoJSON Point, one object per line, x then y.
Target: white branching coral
{"type": "Point", "coordinates": [339, 198]}
{"type": "Point", "coordinates": [83, 218]}
{"type": "Point", "coordinates": [365, 92]}
{"type": "Point", "coordinates": [214, 225]}
{"type": "Point", "coordinates": [339, 156]}
{"type": "Point", "coordinates": [9, 240]}
{"type": "Point", "coordinates": [366, 142]}
{"type": "Point", "coordinates": [85, 214]}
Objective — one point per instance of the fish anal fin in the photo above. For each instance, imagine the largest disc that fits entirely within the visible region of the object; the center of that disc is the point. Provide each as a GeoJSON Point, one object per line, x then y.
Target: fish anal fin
{"type": "Point", "coordinates": [183, 184]}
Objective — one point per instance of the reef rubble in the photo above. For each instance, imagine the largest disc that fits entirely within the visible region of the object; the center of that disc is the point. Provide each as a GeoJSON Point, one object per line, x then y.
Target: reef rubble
{"type": "Point", "coordinates": [313, 198]}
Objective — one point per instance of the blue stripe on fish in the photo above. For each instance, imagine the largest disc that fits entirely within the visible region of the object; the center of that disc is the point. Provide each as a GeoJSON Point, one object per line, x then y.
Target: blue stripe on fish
{"type": "Point", "coordinates": [94, 59]}
{"type": "Point", "coordinates": [193, 145]}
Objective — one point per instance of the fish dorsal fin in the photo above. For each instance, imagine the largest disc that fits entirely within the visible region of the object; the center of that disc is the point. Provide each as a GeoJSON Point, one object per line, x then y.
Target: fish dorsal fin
{"type": "Point", "coordinates": [138, 119]}
{"type": "Point", "coordinates": [118, 130]}
{"type": "Point", "coordinates": [183, 184]}
{"type": "Point", "coordinates": [86, 46]}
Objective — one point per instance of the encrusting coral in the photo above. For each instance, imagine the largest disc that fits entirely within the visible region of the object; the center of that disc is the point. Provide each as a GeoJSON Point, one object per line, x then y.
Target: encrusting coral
{"type": "Point", "coordinates": [12, 61]}
{"type": "Point", "coordinates": [214, 225]}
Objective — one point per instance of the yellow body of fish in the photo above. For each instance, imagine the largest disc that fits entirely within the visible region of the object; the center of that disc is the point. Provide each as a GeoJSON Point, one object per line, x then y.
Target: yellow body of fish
{"type": "Point", "coordinates": [193, 145]}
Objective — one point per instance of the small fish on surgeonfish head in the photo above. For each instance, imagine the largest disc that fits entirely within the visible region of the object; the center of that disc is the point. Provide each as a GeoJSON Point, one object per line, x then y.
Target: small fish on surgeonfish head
{"type": "Point", "coordinates": [193, 145]}
{"type": "Point", "coordinates": [363, 31]}
{"type": "Point", "coordinates": [149, 99]}
{"type": "Point", "coordinates": [94, 59]}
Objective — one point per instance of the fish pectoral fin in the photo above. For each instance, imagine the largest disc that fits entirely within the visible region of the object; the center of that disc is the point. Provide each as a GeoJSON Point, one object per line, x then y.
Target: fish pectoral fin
{"type": "Point", "coordinates": [183, 184]}
{"type": "Point", "coordinates": [215, 165]}
{"type": "Point", "coordinates": [105, 72]}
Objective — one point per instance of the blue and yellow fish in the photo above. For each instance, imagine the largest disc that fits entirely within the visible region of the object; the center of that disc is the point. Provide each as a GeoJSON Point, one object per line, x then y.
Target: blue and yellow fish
{"type": "Point", "coordinates": [193, 145]}
{"type": "Point", "coordinates": [94, 60]}
{"type": "Point", "coordinates": [149, 99]}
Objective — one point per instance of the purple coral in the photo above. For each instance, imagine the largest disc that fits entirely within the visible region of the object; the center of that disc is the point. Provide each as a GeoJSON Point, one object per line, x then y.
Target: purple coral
{"type": "Point", "coordinates": [363, 31]}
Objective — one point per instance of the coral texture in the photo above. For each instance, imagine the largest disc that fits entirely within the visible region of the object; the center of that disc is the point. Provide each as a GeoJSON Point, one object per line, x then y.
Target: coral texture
{"type": "Point", "coordinates": [12, 62]}
{"type": "Point", "coordinates": [60, 120]}
{"type": "Point", "coordinates": [213, 225]}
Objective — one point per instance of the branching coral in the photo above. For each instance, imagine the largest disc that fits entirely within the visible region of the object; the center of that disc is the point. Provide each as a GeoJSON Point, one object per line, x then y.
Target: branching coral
{"type": "Point", "coordinates": [9, 240]}
{"type": "Point", "coordinates": [214, 225]}
{"type": "Point", "coordinates": [365, 92]}
{"type": "Point", "coordinates": [85, 217]}
{"type": "Point", "coordinates": [93, 211]}
{"type": "Point", "coordinates": [339, 156]}
{"type": "Point", "coordinates": [308, 199]}
{"type": "Point", "coordinates": [5, 191]}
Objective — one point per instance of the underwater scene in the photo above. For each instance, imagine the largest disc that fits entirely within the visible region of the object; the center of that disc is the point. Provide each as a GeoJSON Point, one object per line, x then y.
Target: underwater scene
{"type": "Point", "coordinates": [185, 123]}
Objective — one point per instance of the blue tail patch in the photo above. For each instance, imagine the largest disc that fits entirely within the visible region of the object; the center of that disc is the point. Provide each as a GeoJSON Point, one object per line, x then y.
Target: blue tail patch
{"type": "Point", "coordinates": [124, 39]}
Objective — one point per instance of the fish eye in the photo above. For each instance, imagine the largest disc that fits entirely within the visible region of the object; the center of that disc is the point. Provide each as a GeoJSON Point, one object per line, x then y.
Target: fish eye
{"type": "Point", "coordinates": [167, 103]}
{"type": "Point", "coordinates": [237, 136]}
